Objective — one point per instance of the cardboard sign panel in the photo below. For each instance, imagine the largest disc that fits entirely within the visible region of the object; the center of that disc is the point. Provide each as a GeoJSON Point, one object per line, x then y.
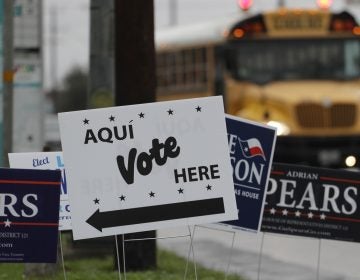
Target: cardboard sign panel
{"type": "Point", "coordinates": [29, 215]}
{"type": "Point", "coordinates": [313, 202]}
{"type": "Point", "coordinates": [251, 148]}
{"type": "Point", "coordinates": [147, 166]}
{"type": "Point", "coordinates": [28, 116]}
{"type": "Point", "coordinates": [47, 160]}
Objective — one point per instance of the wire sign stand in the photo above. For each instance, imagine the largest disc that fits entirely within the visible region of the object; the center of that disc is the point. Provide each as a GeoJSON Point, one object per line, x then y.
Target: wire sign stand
{"type": "Point", "coordinates": [124, 241]}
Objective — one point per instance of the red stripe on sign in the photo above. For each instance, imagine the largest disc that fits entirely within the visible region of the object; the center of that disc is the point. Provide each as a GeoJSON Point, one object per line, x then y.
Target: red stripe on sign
{"type": "Point", "coordinates": [340, 180]}
{"type": "Point", "coordinates": [277, 172]}
{"type": "Point", "coordinates": [343, 219]}
{"type": "Point", "coordinates": [29, 182]}
{"type": "Point", "coordinates": [34, 224]}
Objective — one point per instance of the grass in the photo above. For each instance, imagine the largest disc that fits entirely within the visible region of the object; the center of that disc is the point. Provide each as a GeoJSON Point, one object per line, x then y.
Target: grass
{"type": "Point", "coordinates": [170, 267]}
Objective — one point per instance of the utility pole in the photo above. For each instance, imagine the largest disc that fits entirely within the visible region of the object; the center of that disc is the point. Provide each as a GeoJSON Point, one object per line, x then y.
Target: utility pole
{"type": "Point", "coordinates": [135, 82]}
{"type": "Point", "coordinates": [100, 90]}
{"type": "Point", "coordinates": [281, 3]}
{"type": "Point", "coordinates": [173, 12]}
{"type": "Point", "coordinates": [101, 72]}
{"type": "Point", "coordinates": [8, 78]}
{"type": "Point", "coordinates": [54, 46]}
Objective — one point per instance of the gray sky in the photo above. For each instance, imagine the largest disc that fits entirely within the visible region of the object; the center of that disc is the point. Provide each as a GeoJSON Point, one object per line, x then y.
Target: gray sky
{"type": "Point", "coordinates": [73, 24]}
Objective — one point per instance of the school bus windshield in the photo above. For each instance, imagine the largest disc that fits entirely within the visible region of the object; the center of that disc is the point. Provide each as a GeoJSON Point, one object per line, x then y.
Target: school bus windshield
{"type": "Point", "coordinates": [262, 61]}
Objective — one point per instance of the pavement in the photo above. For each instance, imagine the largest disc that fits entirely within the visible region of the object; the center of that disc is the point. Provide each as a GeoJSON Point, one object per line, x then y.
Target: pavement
{"type": "Point", "coordinates": [281, 257]}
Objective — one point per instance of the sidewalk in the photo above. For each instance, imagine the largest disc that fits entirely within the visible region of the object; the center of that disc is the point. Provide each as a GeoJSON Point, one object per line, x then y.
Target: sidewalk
{"type": "Point", "coordinates": [212, 249]}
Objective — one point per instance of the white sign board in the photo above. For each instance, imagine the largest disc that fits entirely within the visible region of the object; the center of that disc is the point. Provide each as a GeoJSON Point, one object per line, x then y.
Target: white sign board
{"type": "Point", "coordinates": [147, 166]}
{"type": "Point", "coordinates": [27, 23]}
{"type": "Point", "coordinates": [28, 104]}
{"type": "Point", "coordinates": [47, 160]}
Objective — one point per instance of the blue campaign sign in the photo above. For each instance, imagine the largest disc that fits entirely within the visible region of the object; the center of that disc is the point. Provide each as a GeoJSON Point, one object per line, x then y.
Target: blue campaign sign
{"type": "Point", "coordinates": [47, 160]}
{"type": "Point", "coordinates": [251, 148]}
{"type": "Point", "coordinates": [29, 215]}
{"type": "Point", "coordinates": [313, 202]}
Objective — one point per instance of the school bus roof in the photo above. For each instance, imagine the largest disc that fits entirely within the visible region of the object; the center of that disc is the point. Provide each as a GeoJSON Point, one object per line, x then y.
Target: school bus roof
{"type": "Point", "coordinates": [216, 31]}
{"type": "Point", "coordinates": [196, 34]}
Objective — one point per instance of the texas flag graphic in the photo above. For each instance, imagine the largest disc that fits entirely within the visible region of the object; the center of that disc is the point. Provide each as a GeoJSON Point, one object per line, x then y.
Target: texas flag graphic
{"type": "Point", "coordinates": [251, 148]}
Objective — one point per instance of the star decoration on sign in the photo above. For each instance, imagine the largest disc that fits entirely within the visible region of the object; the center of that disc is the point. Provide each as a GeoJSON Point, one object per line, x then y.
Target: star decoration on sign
{"type": "Point", "coordinates": [151, 194]}
{"type": "Point", "coordinates": [198, 109]}
{"type": "Point", "coordinates": [96, 201]}
{"type": "Point", "coordinates": [141, 115]}
{"type": "Point", "coordinates": [180, 190]}
{"type": "Point", "coordinates": [112, 118]}
{"type": "Point", "coordinates": [86, 121]}
{"type": "Point", "coordinates": [7, 223]}
{"type": "Point", "coordinates": [297, 214]}
{"type": "Point", "coordinates": [122, 197]}
{"type": "Point", "coordinates": [208, 187]}
{"type": "Point", "coordinates": [170, 112]}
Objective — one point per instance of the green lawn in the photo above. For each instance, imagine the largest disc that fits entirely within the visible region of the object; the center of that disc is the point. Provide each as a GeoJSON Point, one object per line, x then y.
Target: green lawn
{"type": "Point", "coordinates": [170, 267]}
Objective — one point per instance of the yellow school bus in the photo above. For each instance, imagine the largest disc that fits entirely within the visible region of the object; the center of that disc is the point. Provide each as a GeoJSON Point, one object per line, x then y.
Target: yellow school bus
{"type": "Point", "coordinates": [297, 70]}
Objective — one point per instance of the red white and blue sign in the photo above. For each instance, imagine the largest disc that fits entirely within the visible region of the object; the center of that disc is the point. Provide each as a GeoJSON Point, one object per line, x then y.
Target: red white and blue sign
{"type": "Point", "coordinates": [29, 215]}
{"type": "Point", "coordinates": [251, 148]}
{"type": "Point", "coordinates": [47, 160]}
{"type": "Point", "coordinates": [313, 202]}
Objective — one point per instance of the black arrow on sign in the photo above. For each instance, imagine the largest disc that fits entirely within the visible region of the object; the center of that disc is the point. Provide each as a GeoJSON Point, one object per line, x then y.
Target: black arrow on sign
{"type": "Point", "coordinates": [157, 213]}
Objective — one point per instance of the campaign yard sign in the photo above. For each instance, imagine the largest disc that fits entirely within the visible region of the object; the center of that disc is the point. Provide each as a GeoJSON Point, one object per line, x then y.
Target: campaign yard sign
{"type": "Point", "coordinates": [29, 215]}
{"type": "Point", "coordinates": [147, 166]}
{"type": "Point", "coordinates": [251, 148]}
{"type": "Point", "coordinates": [313, 202]}
{"type": "Point", "coordinates": [47, 160]}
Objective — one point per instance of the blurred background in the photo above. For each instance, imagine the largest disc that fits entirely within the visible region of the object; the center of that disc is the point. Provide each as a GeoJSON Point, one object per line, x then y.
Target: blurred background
{"type": "Point", "coordinates": [63, 60]}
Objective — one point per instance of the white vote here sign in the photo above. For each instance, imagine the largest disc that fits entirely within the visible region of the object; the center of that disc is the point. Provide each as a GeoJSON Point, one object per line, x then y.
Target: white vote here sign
{"type": "Point", "coordinates": [147, 166]}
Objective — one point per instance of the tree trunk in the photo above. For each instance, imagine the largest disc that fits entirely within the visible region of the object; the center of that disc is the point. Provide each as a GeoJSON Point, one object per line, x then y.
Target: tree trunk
{"type": "Point", "coordinates": [135, 83]}
{"type": "Point", "coordinates": [135, 80]}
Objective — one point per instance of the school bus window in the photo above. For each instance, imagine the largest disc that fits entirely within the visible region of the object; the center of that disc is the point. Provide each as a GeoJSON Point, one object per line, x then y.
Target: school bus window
{"type": "Point", "coordinates": [203, 65]}
{"type": "Point", "coordinates": [300, 59]}
{"type": "Point", "coordinates": [165, 70]}
{"type": "Point", "coordinates": [352, 61]}
{"type": "Point", "coordinates": [182, 70]}
{"type": "Point", "coordinates": [186, 69]}
{"type": "Point", "coordinates": [190, 64]}
{"type": "Point", "coordinates": [171, 68]}
{"type": "Point", "coordinates": [197, 67]}
{"type": "Point", "coordinates": [191, 67]}
{"type": "Point", "coordinates": [160, 65]}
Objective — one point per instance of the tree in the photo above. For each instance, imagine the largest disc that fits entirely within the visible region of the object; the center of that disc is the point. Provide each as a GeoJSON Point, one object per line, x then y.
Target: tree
{"type": "Point", "coordinates": [73, 95]}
